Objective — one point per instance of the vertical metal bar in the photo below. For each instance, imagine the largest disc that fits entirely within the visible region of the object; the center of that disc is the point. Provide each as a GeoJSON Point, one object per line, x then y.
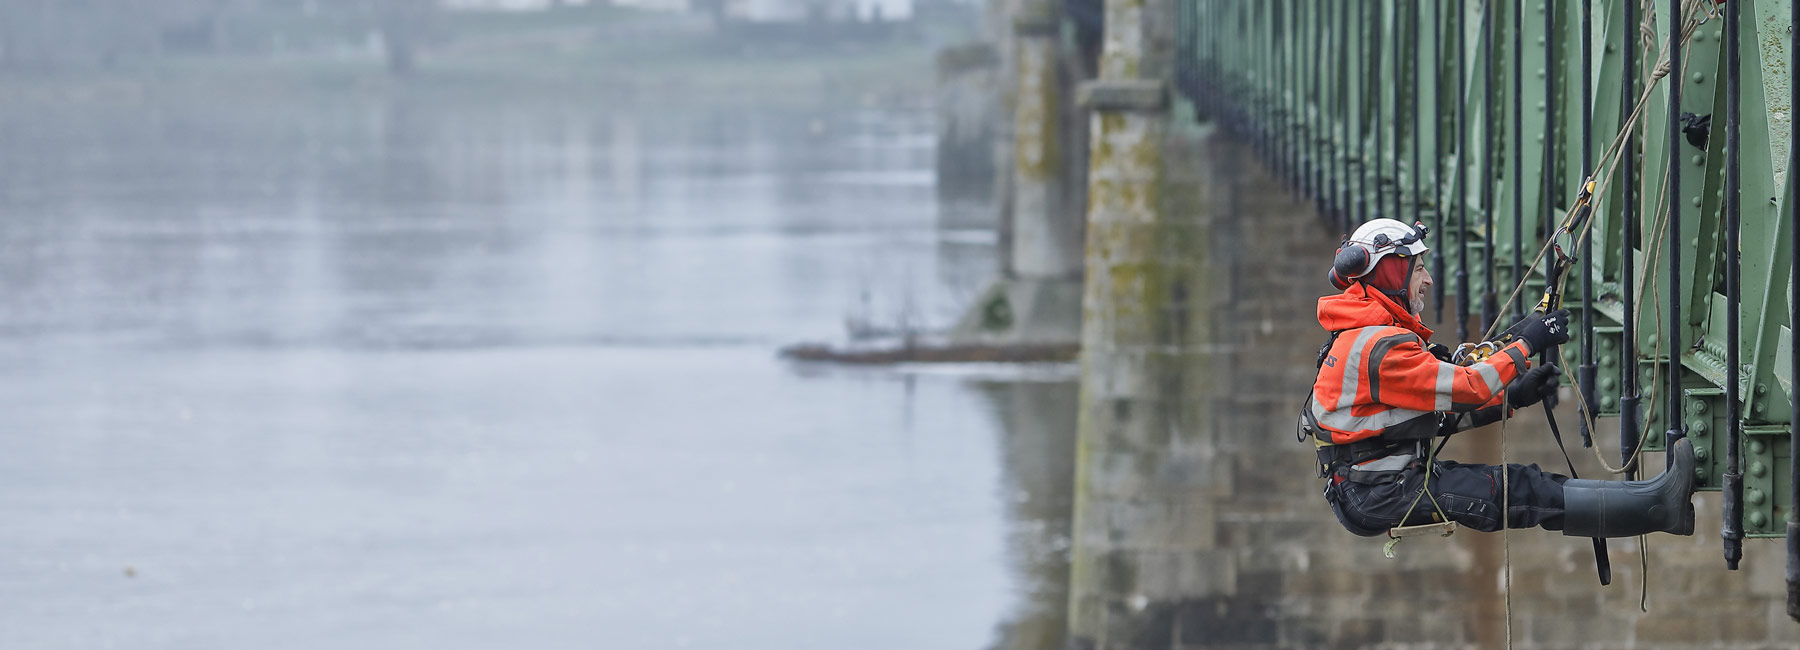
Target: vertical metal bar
{"type": "Point", "coordinates": [1602, 560]}
{"type": "Point", "coordinates": [1277, 103]}
{"type": "Point", "coordinates": [1459, 193]}
{"type": "Point", "coordinates": [1272, 86]}
{"type": "Point", "coordinates": [1549, 182]}
{"type": "Point", "coordinates": [1437, 148]}
{"type": "Point", "coordinates": [1374, 84]}
{"type": "Point", "coordinates": [1490, 33]}
{"type": "Point", "coordinates": [1227, 95]}
{"type": "Point", "coordinates": [1248, 62]}
{"type": "Point", "coordinates": [1516, 135]}
{"type": "Point", "coordinates": [1290, 73]}
{"type": "Point", "coordinates": [1552, 184]}
{"type": "Point", "coordinates": [1363, 168]}
{"type": "Point", "coordinates": [1416, 173]}
{"type": "Point", "coordinates": [1259, 65]}
{"type": "Point", "coordinates": [1226, 83]}
{"type": "Point", "coordinates": [1386, 184]}
{"type": "Point", "coordinates": [1673, 337]}
{"type": "Point", "coordinates": [1334, 113]}
{"type": "Point", "coordinates": [1378, 82]}
{"type": "Point", "coordinates": [1314, 133]}
{"type": "Point", "coordinates": [1310, 64]}
{"type": "Point", "coordinates": [1203, 60]}
{"type": "Point", "coordinates": [1238, 70]}
{"type": "Point", "coordinates": [1214, 66]}
{"type": "Point", "coordinates": [1278, 89]}
{"type": "Point", "coordinates": [1203, 52]}
{"type": "Point", "coordinates": [1297, 96]}
{"type": "Point", "coordinates": [1290, 54]}
{"type": "Point", "coordinates": [1314, 18]}
{"type": "Point", "coordinates": [1284, 110]}
{"type": "Point", "coordinates": [1184, 41]}
{"type": "Point", "coordinates": [1230, 24]}
{"type": "Point", "coordinates": [1629, 415]}
{"type": "Point", "coordinates": [1393, 67]}
{"type": "Point", "coordinates": [1300, 81]}
{"type": "Point", "coordinates": [1225, 98]}
{"type": "Point", "coordinates": [1586, 378]}
{"type": "Point", "coordinates": [1202, 92]}
{"type": "Point", "coordinates": [1793, 215]}
{"type": "Point", "coordinates": [1345, 30]}
{"type": "Point", "coordinates": [1732, 529]}
{"type": "Point", "coordinates": [1271, 100]}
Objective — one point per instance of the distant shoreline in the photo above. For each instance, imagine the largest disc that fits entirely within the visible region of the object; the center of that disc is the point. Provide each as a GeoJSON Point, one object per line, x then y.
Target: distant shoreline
{"type": "Point", "coordinates": [644, 62]}
{"type": "Point", "coordinates": [886, 78]}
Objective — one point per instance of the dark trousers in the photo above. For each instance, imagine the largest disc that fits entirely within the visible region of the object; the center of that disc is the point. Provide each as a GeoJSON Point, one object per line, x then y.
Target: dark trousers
{"type": "Point", "coordinates": [1467, 494]}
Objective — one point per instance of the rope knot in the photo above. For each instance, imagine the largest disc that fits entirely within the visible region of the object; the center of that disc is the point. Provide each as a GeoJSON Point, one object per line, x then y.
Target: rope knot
{"type": "Point", "coordinates": [1662, 70]}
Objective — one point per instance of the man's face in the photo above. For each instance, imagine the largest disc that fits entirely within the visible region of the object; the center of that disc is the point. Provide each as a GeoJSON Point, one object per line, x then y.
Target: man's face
{"type": "Point", "coordinates": [1421, 280]}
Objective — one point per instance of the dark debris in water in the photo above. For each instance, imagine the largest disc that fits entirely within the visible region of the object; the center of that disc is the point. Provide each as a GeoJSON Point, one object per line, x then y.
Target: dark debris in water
{"type": "Point", "coordinates": [935, 353]}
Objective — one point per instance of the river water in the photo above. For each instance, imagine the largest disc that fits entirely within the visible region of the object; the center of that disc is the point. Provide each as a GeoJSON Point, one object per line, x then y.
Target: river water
{"type": "Point", "coordinates": [402, 375]}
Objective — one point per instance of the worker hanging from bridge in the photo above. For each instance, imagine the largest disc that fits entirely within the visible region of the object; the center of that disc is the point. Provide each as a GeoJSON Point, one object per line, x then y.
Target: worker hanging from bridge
{"type": "Point", "coordinates": [1384, 392]}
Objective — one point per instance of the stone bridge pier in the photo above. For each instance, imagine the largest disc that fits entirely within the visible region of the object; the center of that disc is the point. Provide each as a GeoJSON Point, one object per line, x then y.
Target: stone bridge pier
{"type": "Point", "coordinates": [1037, 297]}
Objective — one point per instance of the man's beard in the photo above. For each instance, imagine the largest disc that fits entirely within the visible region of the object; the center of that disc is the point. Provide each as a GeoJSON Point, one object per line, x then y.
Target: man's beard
{"type": "Point", "coordinates": [1418, 306]}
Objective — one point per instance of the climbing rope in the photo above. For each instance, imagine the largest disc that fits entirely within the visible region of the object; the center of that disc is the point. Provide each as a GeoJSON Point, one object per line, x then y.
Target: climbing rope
{"type": "Point", "coordinates": [1505, 518]}
{"type": "Point", "coordinates": [1612, 156]}
{"type": "Point", "coordinates": [1691, 20]}
{"type": "Point", "coordinates": [1651, 255]}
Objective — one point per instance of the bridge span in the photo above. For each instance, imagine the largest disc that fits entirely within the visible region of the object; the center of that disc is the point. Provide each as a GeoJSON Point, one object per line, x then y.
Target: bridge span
{"type": "Point", "coordinates": [1230, 144]}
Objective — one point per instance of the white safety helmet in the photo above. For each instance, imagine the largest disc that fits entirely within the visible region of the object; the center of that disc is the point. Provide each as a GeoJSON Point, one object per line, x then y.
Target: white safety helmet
{"type": "Point", "coordinates": [1359, 253]}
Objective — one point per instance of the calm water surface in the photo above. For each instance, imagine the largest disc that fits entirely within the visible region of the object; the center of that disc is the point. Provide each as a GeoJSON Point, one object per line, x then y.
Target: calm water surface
{"type": "Point", "coordinates": [405, 376]}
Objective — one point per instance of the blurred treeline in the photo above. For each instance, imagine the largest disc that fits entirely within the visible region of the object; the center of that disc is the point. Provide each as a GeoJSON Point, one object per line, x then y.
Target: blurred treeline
{"type": "Point", "coordinates": [101, 49]}
{"type": "Point", "coordinates": [73, 35]}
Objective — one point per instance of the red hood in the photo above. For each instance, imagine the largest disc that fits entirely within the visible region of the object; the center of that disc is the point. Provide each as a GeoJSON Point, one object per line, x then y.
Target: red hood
{"type": "Point", "coordinates": [1358, 306]}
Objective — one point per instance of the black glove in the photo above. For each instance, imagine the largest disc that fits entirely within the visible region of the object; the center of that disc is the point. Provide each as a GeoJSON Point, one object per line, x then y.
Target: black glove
{"type": "Point", "coordinates": [1458, 422]}
{"type": "Point", "coordinates": [1535, 385]}
{"type": "Point", "coordinates": [1541, 331]}
{"type": "Point", "coordinates": [1439, 350]}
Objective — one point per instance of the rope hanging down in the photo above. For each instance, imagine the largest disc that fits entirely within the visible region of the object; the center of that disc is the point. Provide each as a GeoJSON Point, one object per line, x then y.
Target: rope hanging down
{"type": "Point", "coordinates": [1577, 217]}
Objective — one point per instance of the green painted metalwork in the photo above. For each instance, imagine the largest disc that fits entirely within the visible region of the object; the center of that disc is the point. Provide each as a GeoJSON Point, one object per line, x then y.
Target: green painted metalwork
{"type": "Point", "coordinates": [1327, 89]}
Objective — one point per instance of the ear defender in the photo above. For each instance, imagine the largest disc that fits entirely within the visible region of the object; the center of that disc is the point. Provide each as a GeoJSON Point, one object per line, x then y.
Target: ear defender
{"type": "Point", "coordinates": [1352, 262]}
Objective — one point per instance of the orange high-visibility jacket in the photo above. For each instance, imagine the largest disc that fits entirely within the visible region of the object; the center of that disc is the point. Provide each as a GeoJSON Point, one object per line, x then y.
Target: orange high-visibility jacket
{"type": "Point", "coordinates": [1378, 380]}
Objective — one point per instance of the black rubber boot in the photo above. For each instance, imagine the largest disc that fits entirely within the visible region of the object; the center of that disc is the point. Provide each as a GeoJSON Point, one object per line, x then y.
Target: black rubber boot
{"type": "Point", "coordinates": [1632, 508]}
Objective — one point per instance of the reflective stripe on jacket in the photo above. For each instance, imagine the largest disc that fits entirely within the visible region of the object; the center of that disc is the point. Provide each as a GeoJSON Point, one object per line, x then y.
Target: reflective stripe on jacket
{"type": "Point", "coordinates": [1378, 380]}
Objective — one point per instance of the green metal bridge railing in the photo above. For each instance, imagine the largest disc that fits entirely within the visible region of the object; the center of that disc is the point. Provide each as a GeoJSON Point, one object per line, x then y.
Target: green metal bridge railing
{"type": "Point", "coordinates": [1483, 119]}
